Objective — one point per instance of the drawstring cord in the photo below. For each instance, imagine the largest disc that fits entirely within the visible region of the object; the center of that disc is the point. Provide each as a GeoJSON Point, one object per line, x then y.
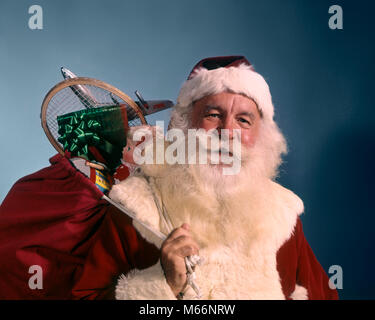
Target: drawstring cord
{"type": "Point", "coordinates": [190, 261]}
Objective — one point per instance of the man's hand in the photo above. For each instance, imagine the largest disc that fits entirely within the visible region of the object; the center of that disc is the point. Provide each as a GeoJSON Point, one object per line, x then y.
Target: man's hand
{"type": "Point", "coordinates": [175, 248]}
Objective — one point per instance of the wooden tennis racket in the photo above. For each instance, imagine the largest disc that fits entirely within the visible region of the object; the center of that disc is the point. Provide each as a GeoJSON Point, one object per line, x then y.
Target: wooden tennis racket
{"type": "Point", "coordinates": [81, 93]}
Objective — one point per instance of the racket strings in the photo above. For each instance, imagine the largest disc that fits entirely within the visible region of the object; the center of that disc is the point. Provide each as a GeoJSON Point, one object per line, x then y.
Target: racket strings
{"type": "Point", "coordinates": [78, 97]}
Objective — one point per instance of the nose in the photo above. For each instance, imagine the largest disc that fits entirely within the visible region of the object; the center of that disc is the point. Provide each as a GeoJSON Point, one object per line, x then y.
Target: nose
{"type": "Point", "coordinates": [226, 124]}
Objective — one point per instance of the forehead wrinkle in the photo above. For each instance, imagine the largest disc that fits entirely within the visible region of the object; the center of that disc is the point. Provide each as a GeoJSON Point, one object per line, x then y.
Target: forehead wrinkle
{"type": "Point", "coordinates": [215, 104]}
{"type": "Point", "coordinates": [209, 107]}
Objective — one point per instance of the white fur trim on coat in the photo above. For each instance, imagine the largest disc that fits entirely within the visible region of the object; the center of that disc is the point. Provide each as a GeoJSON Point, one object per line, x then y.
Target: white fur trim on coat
{"type": "Point", "coordinates": [147, 284]}
{"type": "Point", "coordinates": [299, 293]}
{"type": "Point", "coordinates": [242, 79]}
{"type": "Point", "coordinates": [230, 271]}
{"type": "Point", "coordinates": [135, 194]}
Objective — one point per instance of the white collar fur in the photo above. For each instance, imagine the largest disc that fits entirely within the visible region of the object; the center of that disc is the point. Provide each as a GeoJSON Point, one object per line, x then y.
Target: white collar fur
{"type": "Point", "coordinates": [240, 248]}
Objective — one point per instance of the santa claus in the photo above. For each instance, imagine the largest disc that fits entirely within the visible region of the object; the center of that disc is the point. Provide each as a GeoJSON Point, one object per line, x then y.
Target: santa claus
{"type": "Point", "coordinates": [245, 226]}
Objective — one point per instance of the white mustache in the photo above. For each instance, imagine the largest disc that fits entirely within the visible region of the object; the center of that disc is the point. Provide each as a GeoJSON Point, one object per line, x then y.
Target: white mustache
{"type": "Point", "coordinates": [220, 144]}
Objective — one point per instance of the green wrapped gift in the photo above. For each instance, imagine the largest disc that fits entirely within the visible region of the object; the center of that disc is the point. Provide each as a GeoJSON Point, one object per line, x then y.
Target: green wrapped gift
{"type": "Point", "coordinates": [96, 134]}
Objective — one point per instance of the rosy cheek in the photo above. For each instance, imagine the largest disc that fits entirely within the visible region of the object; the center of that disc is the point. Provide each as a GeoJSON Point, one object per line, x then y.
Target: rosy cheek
{"type": "Point", "coordinates": [127, 152]}
{"type": "Point", "coordinates": [124, 155]}
{"type": "Point", "coordinates": [248, 138]}
{"type": "Point", "coordinates": [128, 156]}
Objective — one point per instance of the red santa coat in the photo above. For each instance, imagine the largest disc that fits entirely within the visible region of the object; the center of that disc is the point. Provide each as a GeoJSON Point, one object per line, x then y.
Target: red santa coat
{"type": "Point", "coordinates": [296, 263]}
{"type": "Point", "coordinates": [55, 218]}
{"type": "Point", "coordinates": [51, 219]}
{"type": "Point", "coordinates": [253, 243]}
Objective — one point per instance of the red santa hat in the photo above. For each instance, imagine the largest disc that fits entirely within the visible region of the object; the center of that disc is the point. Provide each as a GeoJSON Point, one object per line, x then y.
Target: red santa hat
{"type": "Point", "coordinates": [229, 73]}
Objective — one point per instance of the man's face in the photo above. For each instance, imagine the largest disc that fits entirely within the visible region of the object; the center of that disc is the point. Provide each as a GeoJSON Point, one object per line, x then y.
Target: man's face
{"type": "Point", "coordinates": [228, 111]}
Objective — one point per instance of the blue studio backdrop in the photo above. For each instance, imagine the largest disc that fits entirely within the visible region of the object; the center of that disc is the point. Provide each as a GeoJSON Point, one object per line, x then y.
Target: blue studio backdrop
{"type": "Point", "coordinates": [321, 80]}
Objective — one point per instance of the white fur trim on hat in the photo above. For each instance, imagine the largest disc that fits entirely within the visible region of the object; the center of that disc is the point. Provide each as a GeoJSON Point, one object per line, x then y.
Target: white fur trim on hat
{"type": "Point", "coordinates": [242, 79]}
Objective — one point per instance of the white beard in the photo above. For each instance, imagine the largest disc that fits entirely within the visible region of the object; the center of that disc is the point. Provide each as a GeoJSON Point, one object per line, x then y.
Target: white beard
{"type": "Point", "coordinates": [212, 203]}
{"type": "Point", "coordinates": [239, 222]}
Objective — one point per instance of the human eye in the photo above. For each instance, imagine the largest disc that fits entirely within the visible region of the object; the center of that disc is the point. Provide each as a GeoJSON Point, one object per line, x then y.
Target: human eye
{"type": "Point", "coordinates": [244, 121]}
{"type": "Point", "coordinates": [213, 114]}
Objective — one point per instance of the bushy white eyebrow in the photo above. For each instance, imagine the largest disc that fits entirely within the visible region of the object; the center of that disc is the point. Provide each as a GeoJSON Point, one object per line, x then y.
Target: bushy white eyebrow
{"type": "Point", "coordinates": [218, 108]}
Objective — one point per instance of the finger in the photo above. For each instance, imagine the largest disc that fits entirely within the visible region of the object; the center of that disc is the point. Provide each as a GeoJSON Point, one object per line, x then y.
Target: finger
{"type": "Point", "coordinates": [186, 251]}
{"type": "Point", "coordinates": [177, 233]}
{"type": "Point", "coordinates": [183, 240]}
{"type": "Point", "coordinates": [180, 242]}
{"type": "Point", "coordinates": [176, 257]}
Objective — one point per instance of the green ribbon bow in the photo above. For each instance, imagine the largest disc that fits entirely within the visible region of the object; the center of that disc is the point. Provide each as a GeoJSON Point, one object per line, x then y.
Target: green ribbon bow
{"type": "Point", "coordinates": [97, 128]}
